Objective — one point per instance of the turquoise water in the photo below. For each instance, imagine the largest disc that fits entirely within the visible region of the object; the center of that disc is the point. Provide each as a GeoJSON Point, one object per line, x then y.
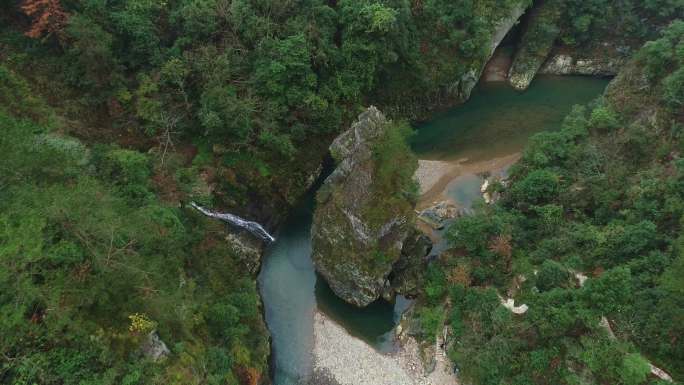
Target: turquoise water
{"type": "Point", "coordinates": [291, 292]}
{"type": "Point", "coordinates": [496, 121]}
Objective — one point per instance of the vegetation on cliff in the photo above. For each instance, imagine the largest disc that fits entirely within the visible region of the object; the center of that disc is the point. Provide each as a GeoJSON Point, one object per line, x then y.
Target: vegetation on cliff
{"type": "Point", "coordinates": [365, 208]}
{"type": "Point", "coordinates": [93, 259]}
{"type": "Point", "coordinates": [601, 34]}
{"type": "Point", "coordinates": [601, 198]}
{"type": "Point", "coordinates": [257, 88]}
{"type": "Point", "coordinates": [114, 113]}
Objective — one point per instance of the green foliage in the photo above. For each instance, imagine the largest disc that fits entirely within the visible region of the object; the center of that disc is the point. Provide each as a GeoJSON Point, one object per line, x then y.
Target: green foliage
{"type": "Point", "coordinates": [552, 274]}
{"type": "Point", "coordinates": [604, 119]}
{"type": "Point", "coordinates": [87, 269]}
{"type": "Point", "coordinates": [635, 369]}
{"type": "Point", "coordinates": [435, 284]}
{"type": "Point", "coordinates": [431, 320]}
{"type": "Point", "coordinates": [394, 189]}
{"type": "Point", "coordinates": [16, 97]}
{"type": "Point", "coordinates": [602, 196]}
{"type": "Point", "coordinates": [537, 187]}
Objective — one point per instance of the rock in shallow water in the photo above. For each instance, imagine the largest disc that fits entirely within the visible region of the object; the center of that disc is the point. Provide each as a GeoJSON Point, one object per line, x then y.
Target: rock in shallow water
{"type": "Point", "coordinates": [437, 215]}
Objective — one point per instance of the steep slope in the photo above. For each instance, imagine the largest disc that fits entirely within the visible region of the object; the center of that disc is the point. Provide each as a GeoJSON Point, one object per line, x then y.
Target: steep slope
{"type": "Point", "coordinates": [587, 236]}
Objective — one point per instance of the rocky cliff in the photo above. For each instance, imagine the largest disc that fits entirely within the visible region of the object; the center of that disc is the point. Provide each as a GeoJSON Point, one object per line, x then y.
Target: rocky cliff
{"type": "Point", "coordinates": [540, 33]}
{"type": "Point", "coordinates": [464, 86]}
{"type": "Point", "coordinates": [364, 209]}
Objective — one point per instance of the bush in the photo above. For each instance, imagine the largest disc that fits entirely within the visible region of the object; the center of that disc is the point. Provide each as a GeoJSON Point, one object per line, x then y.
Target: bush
{"type": "Point", "coordinates": [538, 187]}
{"type": "Point", "coordinates": [551, 275]}
{"type": "Point", "coordinates": [431, 320]}
{"type": "Point", "coordinates": [603, 119]}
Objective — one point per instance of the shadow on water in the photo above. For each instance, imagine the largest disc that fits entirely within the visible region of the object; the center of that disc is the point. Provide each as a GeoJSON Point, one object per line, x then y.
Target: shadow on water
{"type": "Point", "coordinates": [373, 323]}
{"type": "Point", "coordinates": [496, 121]}
{"type": "Point", "coordinates": [291, 292]}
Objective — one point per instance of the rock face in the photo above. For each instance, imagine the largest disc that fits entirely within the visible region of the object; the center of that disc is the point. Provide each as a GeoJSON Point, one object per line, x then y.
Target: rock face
{"type": "Point", "coordinates": [537, 41]}
{"type": "Point", "coordinates": [154, 348]}
{"type": "Point", "coordinates": [355, 247]}
{"type": "Point", "coordinates": [408, 272]}
{"type": "Point", "coordinates": [248, 249]}
{"type": "Point", "coordinates": [464, 86]}
{"type": "Point", "coordinates": [563, 64]}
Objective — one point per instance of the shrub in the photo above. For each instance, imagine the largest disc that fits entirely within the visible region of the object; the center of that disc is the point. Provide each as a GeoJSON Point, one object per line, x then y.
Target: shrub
{"type": "Point", "coordinates": [537, 187]}
{"type": "Point", "coordinates": [551, 275]}
{"type": "Point", "coordinates": [604, 119]}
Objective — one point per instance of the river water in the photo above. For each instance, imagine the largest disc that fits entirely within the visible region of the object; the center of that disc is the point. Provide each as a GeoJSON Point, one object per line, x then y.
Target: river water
{"type": "Point", "coordinates": [495, 122]}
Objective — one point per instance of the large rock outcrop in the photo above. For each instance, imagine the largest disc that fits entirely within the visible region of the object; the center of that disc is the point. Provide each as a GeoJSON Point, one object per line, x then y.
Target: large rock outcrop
{"type": "Point", "coordinates": [541, 31]}
{"type": "Point", "coordinates": [358, 228]}
{"type": "Point", "coordinates": [567, 64]}
{"type": "Point", "coordinates": [464, 86]}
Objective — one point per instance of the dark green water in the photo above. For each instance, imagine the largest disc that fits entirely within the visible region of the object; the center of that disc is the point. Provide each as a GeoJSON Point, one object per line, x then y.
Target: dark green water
{"type": "Point", "coordinates": [496, 121]}
{"type": "Point", "coordinates": [291, 292]}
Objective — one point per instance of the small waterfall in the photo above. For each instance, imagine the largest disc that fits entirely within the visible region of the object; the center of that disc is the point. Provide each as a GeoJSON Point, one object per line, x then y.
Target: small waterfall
{"type": "Point", "coordinates": [252, 227]}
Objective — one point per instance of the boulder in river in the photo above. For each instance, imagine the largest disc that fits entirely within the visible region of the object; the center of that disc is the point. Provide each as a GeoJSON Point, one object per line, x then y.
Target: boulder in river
{"type": "Point", "coordinates": [438, 214]}
{"type": "Point", "coordinates": [363, 213]}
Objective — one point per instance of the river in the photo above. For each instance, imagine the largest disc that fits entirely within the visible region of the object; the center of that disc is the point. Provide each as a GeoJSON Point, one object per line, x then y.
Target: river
{"type": "Point", "coordinates": [496, 122]}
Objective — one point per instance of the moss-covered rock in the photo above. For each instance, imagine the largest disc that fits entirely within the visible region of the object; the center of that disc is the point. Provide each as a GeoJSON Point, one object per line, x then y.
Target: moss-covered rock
{"type": "Point", "coordinates": [538, 37]}
{"type": "Point", "coordinates": [364, 208]}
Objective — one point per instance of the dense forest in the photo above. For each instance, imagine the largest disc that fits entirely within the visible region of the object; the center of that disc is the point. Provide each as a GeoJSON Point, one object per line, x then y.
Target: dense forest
{"type": "Point", "coordinates": [114, 115]}
{"type": "Point", "coordinates": [588, 235]}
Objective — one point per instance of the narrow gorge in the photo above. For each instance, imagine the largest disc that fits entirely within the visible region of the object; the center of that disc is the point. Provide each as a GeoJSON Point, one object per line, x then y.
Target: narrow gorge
{"type": "Point", "coordinates": [343, 192]}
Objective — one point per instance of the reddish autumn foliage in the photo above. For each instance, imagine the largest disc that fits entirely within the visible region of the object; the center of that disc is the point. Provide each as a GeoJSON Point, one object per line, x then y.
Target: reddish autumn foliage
{"type": "Point", "coordinates": [249, 376]}
{"type": "Point", "coordinates": [501, 245]}
{"type": "Point", "coordinates": [48, 17]}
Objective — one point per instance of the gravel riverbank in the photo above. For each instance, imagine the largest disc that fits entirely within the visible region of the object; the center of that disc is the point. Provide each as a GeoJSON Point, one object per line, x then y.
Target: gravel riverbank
{"type": "Point", "coordinates": [341, 359]}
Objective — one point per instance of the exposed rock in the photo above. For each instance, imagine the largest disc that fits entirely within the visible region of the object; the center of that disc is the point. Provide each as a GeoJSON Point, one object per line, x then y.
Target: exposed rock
{"type": "Point", "coordinates": [247, 249]}
{"type": "Point", "coordinates": [359, 364]}
{"type": "Point", "coordinates": [656, 371]}
{"type": "Point", "coordinates": [408, 272]}
{"type": "Point", "coordinates": [353, 250]}
{"type": "Point", "coordinates": [464, 86]}
{"type": "Point", "coordinates": [311, 179]}
{"type": "Point", "coordinates": [154, 348]}
{"type": "Point", "coordinates": [537, 40]}
{"type": "Point", "coordinates": [563, 64]}
{"type": "Point", "coordinates": [509, 304]}
{"type": "Point", "coordinates": [437, 215]}
{"type": "Point", "coordinates": [485, 194]}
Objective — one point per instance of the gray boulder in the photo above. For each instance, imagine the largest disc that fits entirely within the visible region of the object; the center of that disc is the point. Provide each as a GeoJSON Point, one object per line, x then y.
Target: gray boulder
{"type": "Point", "coordinates": [154, 348]}
{"type": "Point", "coordinates": [353, 245]}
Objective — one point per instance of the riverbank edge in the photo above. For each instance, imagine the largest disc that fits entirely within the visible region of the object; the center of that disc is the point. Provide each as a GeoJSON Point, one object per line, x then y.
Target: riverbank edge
{"type": "Point", "coordinates": [360, 364]}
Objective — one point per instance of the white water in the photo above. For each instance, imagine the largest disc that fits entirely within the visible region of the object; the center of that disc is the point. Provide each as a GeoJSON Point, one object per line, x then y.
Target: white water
{"type": "Point", "coordinates": [252, 227]}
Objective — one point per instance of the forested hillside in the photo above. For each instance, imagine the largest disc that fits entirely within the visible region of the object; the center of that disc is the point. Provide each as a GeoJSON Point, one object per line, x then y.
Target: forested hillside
{"type": "Point", "coordinates": [258, 88]}
{"type": "Point", "coordinates": [115, 114]}
{"type": "Point", "coordinates": [587, 235]}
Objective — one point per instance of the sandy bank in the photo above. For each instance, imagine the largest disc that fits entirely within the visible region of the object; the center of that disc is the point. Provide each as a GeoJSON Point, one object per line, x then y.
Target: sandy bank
{"type": "Point", "coordinates": [341, 359]}
{"type": "Point", "coordinates": [433, 176]}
